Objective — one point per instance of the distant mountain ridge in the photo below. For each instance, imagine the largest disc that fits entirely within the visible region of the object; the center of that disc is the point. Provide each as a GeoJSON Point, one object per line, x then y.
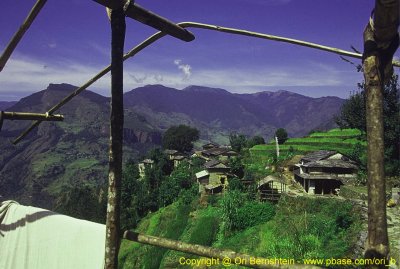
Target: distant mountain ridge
{"type": "Point", "coordinates": [60, 154]}
{"type": "Point", "coordinates": [238, 112]}
{"type": "Point", "coordinates": [75, 151]}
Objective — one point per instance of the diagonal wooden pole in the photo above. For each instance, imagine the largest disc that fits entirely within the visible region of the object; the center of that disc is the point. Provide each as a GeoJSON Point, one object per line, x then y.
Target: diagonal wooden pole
{"type": "Point", "coordinates": [20, 33]}
{"type": "Point", "coordinates": [116, 139]}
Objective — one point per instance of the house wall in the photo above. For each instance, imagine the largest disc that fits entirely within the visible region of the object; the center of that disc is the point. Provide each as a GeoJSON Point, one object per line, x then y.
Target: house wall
{"type": "Point", "coordinates": [215, 178]}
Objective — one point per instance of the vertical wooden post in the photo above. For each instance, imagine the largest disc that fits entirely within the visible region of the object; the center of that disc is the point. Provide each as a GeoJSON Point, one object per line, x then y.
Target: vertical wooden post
{"type": "Point", "coordinates": [113, 233]}
{"type": "Point", "coordinates": [377, 224]}
{"type": "Point", "coordinates": [380, 43]}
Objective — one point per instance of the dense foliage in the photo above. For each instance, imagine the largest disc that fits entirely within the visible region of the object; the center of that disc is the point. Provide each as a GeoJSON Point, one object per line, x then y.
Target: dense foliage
{"type": "Point", "coordinates": [296, 228]}
{"type": "Point", "coordinates": [239, 212]}
{"type": "Point", "coordinates": [352, 115]}
{"type": "Point", "coordinates": [161, 186]}
{"type": "Point", "coordinates": [180, 138]}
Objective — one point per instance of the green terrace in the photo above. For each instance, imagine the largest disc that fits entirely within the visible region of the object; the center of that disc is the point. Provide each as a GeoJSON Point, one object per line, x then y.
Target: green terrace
{"type": "Point", "coordinates": [338, 140]}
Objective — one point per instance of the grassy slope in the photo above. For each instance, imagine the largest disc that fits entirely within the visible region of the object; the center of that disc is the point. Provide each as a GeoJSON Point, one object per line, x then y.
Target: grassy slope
{"type": "Point", "coordinates": [316, 237]}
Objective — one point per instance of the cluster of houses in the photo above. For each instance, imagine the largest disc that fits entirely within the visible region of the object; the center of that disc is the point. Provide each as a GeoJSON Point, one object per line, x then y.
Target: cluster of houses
{"type": "Point", "coordinates": [321, 172]}
{"type": "Point", "coordinates": [214, 178]}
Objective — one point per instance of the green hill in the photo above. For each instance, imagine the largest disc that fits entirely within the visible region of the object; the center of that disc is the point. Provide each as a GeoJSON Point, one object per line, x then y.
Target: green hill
{"type": "Point", "coordinates": [301, 228]}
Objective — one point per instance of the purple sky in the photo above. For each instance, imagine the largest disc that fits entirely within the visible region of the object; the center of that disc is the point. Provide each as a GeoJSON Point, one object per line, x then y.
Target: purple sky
{"type": "Point", "coordinates": [70, 40]}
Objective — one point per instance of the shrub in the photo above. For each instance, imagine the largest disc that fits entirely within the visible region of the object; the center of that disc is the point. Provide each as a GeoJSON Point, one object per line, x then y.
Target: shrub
{"type": "Point", "coordinates": [253, 213]}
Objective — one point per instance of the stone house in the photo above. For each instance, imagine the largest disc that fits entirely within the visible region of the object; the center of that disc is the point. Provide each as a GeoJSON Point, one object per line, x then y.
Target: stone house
{"type": "Point", "coordinates": [175, 156]}
{"type": "Point", "coordinates": [323, 172]}
{"type": "Point", "coordinates": [214, 178]}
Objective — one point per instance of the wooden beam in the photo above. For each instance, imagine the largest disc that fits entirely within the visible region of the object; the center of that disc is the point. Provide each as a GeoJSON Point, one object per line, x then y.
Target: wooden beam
{"type": "Point", "coordinates": [224, 258]}
{"type": "Point", "coordinates": [20, 33]}
{"type": "Point", "coordinates": [136, 12]}
{"type": "Point", "coordinates": [116, 139]}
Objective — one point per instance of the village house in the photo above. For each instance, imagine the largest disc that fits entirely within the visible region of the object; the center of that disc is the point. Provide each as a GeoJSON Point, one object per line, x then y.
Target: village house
{"type": "Point", "coordinates": [213, 151]}
{"type": "Point", "coordinates": [323, 172]}
{"type": "Point", "coordinates": [210, 145]}
{"type": "Point", "coordinates": [175, 156]}
{"type": "Point", "coordinates": [214, 178]}
{"type": "Point", "coordinates": [221, 154]}
{"type": "Point", "coordinates": [143, 165]}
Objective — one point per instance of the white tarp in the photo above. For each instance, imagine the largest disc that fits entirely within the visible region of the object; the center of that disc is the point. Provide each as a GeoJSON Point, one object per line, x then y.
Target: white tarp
{"type": "Point", "coordinates": [35, 238]}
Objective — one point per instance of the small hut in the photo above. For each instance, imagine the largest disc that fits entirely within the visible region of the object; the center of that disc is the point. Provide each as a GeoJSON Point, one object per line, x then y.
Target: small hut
{"type": "Point", "coordinates": [270, 188]}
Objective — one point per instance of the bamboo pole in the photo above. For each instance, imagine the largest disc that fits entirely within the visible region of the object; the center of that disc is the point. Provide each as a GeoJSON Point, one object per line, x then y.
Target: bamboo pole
{"type": "Point", "coordinates": [20, 33]}
{"type": "Point", "coordinates": [222, 257]}
{"type": "Point", "coordinates": [116, 139]}
{"type": "Point", "coordinates": [28, 116]}
{"type": "Point", "coordinates": [153, 38]}
{"type": "Point", "coordinates": [31, 116]}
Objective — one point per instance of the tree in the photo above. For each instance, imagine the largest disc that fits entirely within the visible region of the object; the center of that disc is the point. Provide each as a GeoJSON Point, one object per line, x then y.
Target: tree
{"type": "Point", "coordinates": [255, 140]}
{"type": "Point", "coordinates": [282, 135]}
{"type": "Point", "coordinates": [180, 179]}
{"type": "Point", "coordinates": [180, 138]}
{"type": "Point", "coordinates": [352, 115]}
{"type": "Point", "coordinates": [236, 166]}
{"type": "Point", "coordinates": [237, 141]}
{"type": "Point", "coordinates": [83, 201]}
{"type": "Point", "coordinates": [352, 112]}
{"type": "Point", "coordinates": [129, 192]}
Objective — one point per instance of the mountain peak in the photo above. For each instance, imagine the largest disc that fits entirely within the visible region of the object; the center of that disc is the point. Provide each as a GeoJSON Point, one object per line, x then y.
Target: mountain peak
{"type": "Point", "coordinates": [196, 88]}
{"type": "Point", "coordinates": [60, 87]}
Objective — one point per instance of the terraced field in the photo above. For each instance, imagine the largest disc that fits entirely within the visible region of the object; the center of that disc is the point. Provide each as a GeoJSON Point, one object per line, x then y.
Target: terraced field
{"type": "Point", "coordinates": [342, 141]}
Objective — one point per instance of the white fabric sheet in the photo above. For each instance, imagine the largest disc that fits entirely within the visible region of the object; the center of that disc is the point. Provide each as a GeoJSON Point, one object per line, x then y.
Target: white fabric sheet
{"type": "Point", "coordinates": [35, 238]}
